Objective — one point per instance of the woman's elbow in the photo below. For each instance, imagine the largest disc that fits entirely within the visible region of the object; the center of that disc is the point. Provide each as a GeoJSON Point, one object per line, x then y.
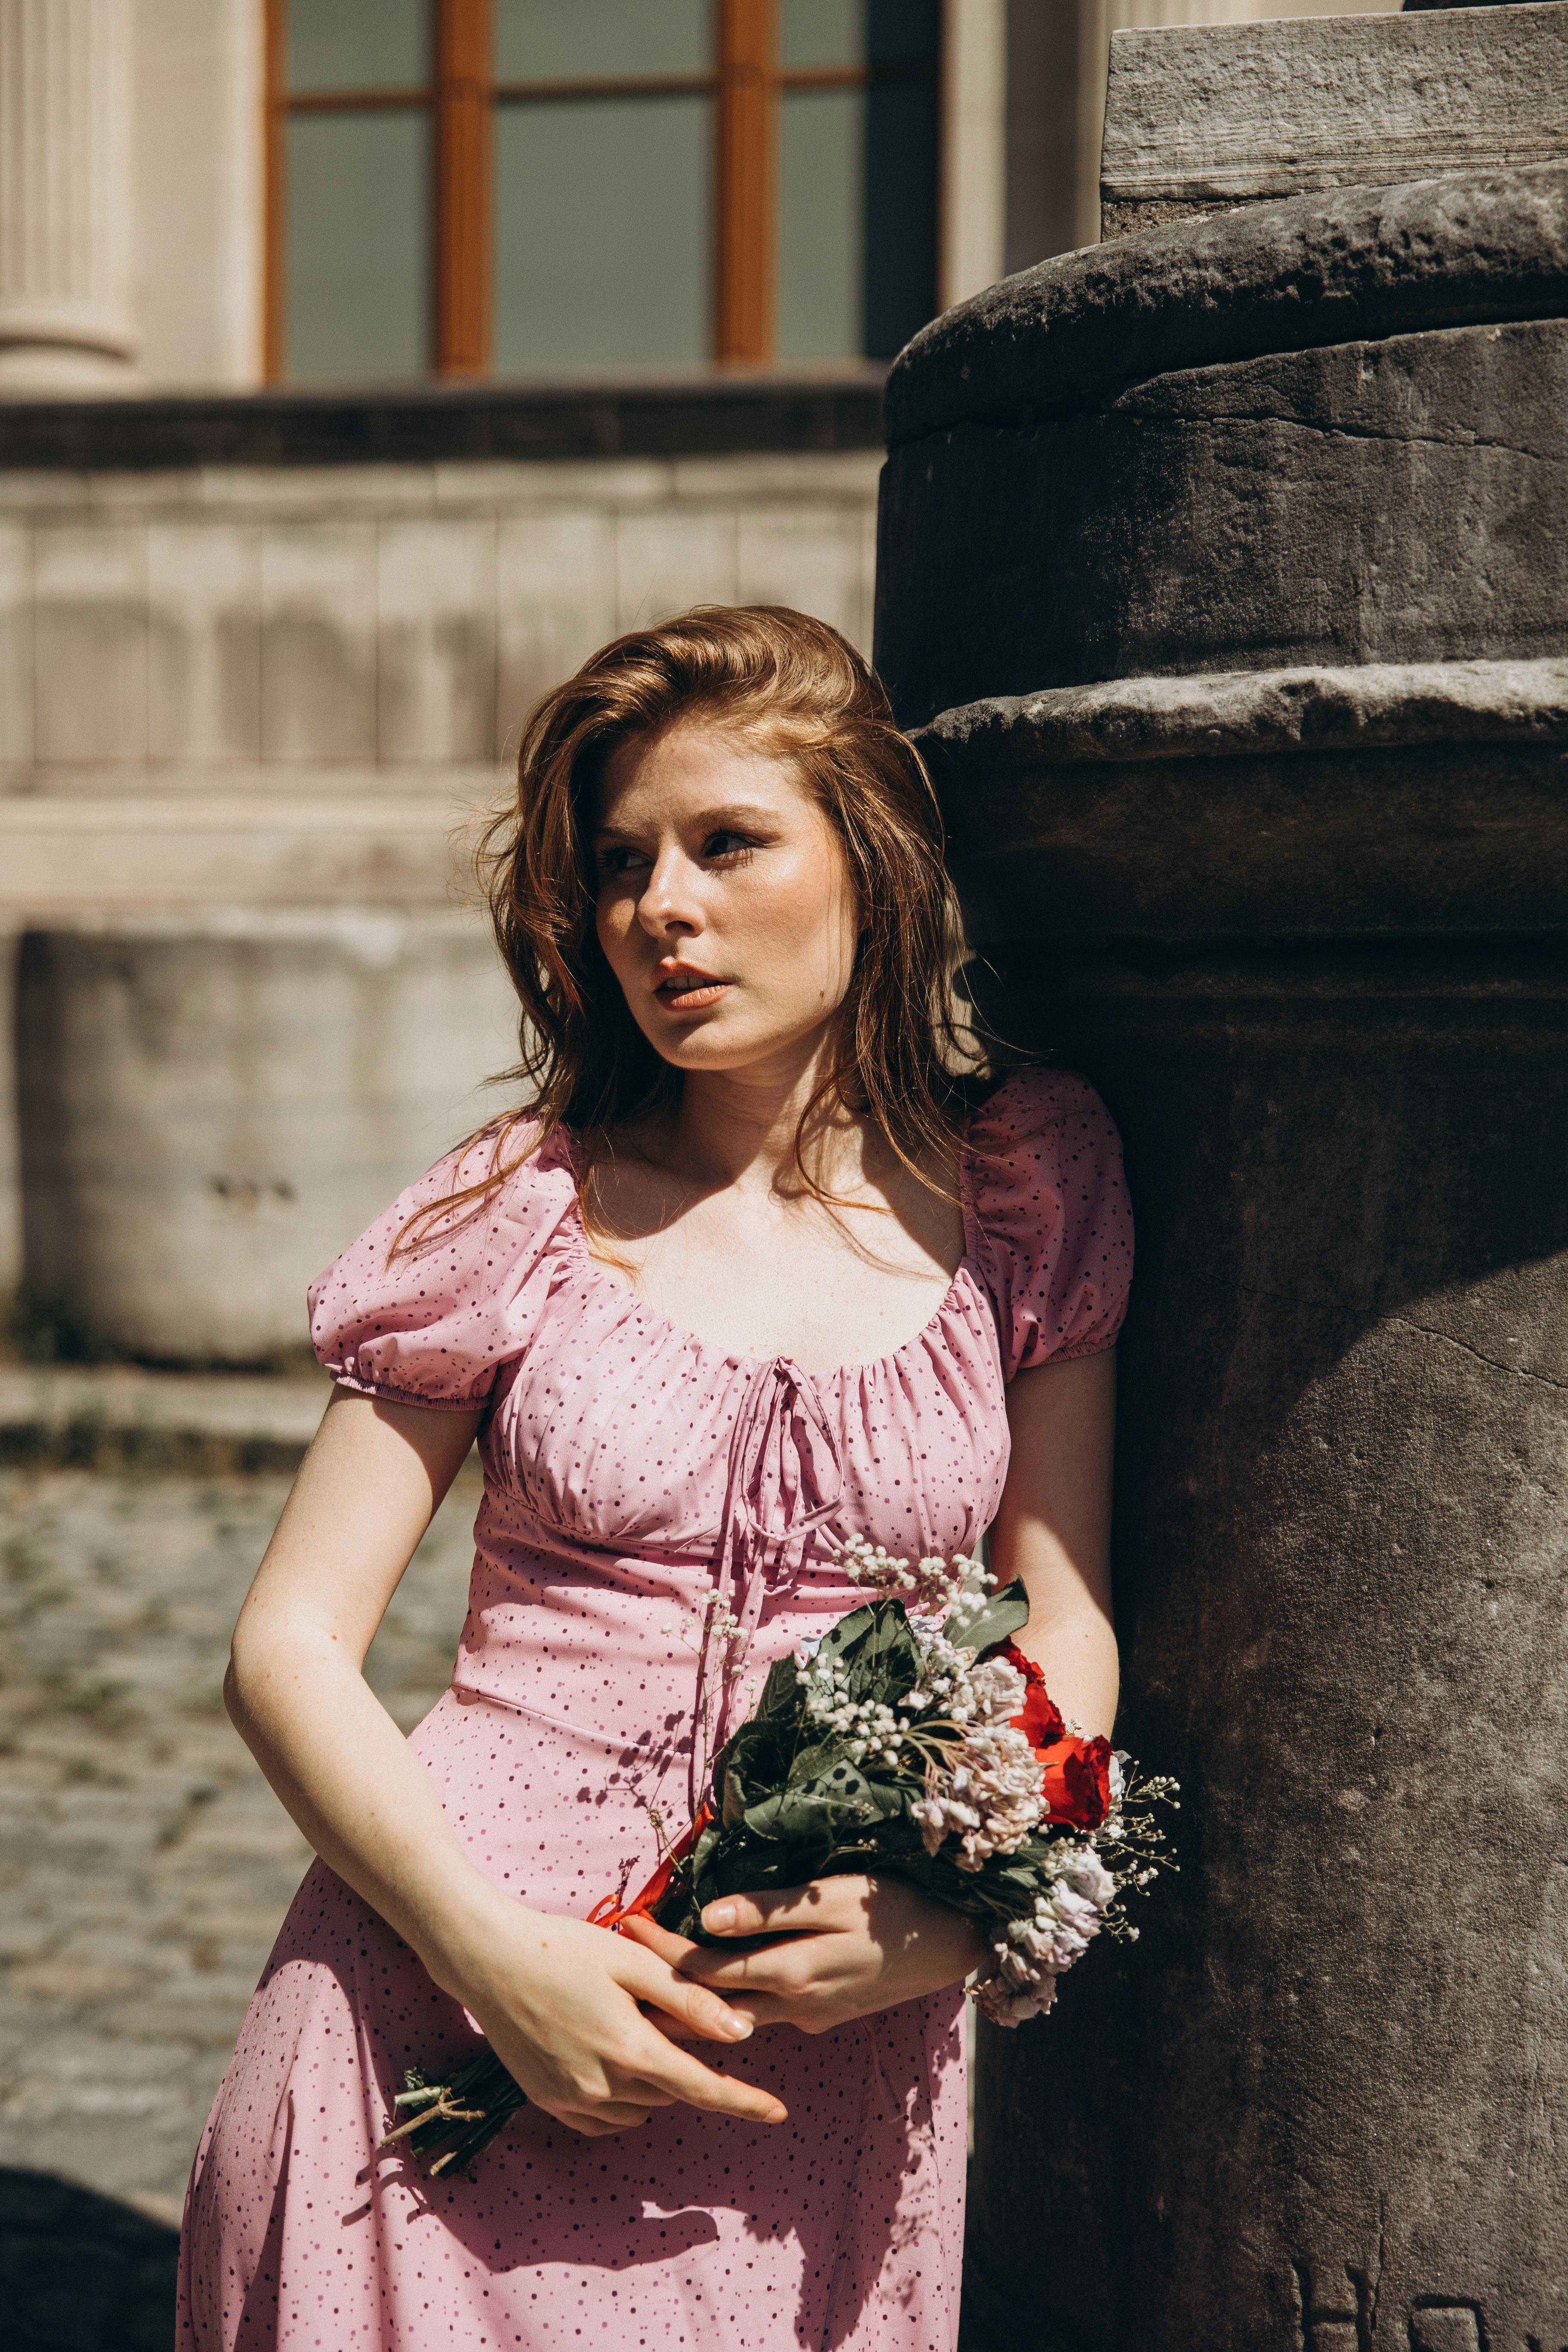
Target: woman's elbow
{"type": "Point", "coordinates": [252, 1659]}
{"type": "Point", "coordinates": [234, 1699]}
{"type": "Point", "coordinates": [279, 1658]}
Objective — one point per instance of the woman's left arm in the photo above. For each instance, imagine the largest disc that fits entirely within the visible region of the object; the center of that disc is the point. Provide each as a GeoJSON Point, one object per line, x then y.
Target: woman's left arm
{"type": "Point", "coordinates": [843, 1947]}
{"type": "Point", "coordinates": [1053, 1529]}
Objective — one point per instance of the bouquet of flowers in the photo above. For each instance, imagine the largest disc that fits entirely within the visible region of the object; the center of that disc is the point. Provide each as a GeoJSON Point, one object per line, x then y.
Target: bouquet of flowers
{"type": "Point", "coordinates": [913, 1737]}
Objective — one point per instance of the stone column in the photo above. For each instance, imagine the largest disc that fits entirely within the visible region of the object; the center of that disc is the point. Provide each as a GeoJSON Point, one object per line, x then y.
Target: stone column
{"type": "Point", "coordinates": [66, 197]}
{"type": "Point", "coordinates": [973, 146]}
{"type": "Point", "coordinates": [1228, 568]}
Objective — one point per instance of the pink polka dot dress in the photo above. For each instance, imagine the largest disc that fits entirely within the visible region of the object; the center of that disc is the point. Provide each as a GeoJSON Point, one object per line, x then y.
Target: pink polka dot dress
{"type": "Point", "coordinates": [625, 1462]}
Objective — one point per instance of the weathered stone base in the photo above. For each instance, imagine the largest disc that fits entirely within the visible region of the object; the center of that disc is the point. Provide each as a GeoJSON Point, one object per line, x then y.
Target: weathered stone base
{"type": "Point", "coordinates": [1306, 930]}
{"type": "Point", "coordinates": [1351, 495]}
{"type": "Point", "coordinates": [210, 1112]}
{"type": "Point", "coordinates": [1331, 2079]}
{"type": "Point", "coordinates": [1253, 527]}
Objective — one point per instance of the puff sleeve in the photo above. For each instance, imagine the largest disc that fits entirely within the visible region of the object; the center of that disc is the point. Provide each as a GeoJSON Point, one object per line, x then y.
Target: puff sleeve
{"type": "Point", "coordinates": [1053, 1222]}
{"type": "Point", "coordinates": [434, 1321]}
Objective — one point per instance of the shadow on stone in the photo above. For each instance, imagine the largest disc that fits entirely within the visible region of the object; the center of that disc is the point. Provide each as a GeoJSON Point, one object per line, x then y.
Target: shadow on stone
{"type": "Point", "coordinates": [81, 2272]}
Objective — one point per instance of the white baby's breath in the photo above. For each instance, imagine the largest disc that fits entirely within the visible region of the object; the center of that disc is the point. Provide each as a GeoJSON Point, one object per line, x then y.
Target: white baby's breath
{"type": "Point", "coordinates": [1018, 1977]}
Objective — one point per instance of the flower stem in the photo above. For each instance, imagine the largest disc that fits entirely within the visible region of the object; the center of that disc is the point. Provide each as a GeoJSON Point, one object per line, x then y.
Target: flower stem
{"type": "Point", "coordinates": [456, 2119]}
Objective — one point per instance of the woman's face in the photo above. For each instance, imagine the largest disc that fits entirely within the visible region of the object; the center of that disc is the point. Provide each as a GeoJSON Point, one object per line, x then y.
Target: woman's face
{"type": "Point", "coordinates": [725, 905]}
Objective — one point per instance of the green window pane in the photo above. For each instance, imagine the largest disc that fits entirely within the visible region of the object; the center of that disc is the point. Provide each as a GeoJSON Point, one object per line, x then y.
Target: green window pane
{"type": "Point", "coordinates": [821, 33]}
{"type": "Point", "coordinates": [604, 232]}
{"type": "Point", "coordinates": [357, 267]}
{"type": "Point", "coordinates": [856, 219]}
{"type": "Point", "coordinates": [539, 40]}
{"type": "Point", "coordinates": [821, 243]}
{"type": "Point", "coordinates": [858, 32]}
{"type": "Point", "coordinates": [357, 44]}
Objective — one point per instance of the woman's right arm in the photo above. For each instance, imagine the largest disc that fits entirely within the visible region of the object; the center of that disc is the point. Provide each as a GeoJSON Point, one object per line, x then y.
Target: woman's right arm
{"type": "Point", "coordinates": [557, 1998]}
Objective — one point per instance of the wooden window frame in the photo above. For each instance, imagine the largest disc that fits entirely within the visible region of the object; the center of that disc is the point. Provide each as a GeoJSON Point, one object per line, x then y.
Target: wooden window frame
{"type": "Point", "coordinates": [461, 95]}
{"type": "Point", "coordinates": [465, 118]}
{"type": "Point", "coordinates": [746, 186]}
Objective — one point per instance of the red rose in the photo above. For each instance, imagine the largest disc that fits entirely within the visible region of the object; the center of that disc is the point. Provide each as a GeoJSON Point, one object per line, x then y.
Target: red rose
{"type": "Point", "coordinates": [1076, 1787]}
{"type": "Point", "coordinates": [1041, 1721]}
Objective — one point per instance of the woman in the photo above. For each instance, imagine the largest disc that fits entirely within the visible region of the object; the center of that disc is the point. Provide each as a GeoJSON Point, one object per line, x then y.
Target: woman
{"type": "Point", "coordinates": [749, 1280]}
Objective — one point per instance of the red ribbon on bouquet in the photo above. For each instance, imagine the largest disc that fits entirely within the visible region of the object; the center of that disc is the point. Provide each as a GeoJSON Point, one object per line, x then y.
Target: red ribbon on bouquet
{"type": "Point", "coordinates": [611, 1912]}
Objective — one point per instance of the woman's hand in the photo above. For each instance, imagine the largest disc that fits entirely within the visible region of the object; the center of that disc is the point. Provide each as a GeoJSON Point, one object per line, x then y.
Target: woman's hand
{"type": "Point", "coordinates": [817, 1955]}
{"type": "Point", "coordinates": [562, 2005]}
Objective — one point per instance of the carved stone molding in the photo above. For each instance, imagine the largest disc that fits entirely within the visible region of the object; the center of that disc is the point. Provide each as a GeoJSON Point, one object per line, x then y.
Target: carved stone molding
{"type": "Point", "coordinates": [1227, 714]}
{"type": "Point", "coordinates": [1280, 276]}
{"type": "Point", "coordinates": [1321, 433]}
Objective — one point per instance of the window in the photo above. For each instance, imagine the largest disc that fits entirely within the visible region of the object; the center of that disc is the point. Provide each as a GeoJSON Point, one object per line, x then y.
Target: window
{"type": "Point", "coordinates": [537, 185]}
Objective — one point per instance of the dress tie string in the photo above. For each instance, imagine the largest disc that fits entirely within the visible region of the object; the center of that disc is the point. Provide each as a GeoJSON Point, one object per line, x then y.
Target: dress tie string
{"type": "Point", "coordinates": [783, 1480]}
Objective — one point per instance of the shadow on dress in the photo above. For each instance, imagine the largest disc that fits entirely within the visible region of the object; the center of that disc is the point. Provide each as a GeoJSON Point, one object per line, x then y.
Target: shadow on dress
{"type": "Point", "coordinates": [81, 2272]}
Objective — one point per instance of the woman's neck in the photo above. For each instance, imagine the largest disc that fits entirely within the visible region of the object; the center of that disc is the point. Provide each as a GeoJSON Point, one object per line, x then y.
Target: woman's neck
{"type": "Point", "coordinates": [739, 1128]}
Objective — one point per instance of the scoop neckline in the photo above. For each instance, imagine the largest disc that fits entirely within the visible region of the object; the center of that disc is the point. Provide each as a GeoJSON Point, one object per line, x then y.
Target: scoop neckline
{"type": "Point", "coordinates": [949, 1301]}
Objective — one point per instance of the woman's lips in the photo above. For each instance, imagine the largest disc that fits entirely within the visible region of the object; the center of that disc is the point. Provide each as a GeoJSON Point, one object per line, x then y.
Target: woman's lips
{"type": "Point", "coordinates": [689, 991]}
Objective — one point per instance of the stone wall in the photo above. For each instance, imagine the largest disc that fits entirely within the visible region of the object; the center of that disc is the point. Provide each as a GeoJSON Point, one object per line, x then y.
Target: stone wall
{"type": "Point", "coordinates": [268, 684]}
{"type": "Point", "coordinates": [244, 704]}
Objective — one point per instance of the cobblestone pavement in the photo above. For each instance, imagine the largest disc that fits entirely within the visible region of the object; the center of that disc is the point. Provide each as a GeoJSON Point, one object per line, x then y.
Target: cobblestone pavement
{"type": "Point", "coordinates": [144, 1864]}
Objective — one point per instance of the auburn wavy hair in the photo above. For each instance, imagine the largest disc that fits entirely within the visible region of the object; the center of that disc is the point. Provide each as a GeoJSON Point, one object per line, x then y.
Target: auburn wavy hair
{"type": "Point", "coordinates": [906, 1055]}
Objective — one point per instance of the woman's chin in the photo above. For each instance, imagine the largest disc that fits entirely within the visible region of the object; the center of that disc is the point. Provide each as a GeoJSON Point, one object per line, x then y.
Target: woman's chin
{"type": "Point", "coordinates": [709, 1042]}
{"type": "Point", "coordinates": [703, 1049]}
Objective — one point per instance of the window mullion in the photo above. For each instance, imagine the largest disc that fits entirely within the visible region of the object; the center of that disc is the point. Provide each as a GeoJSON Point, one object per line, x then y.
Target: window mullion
{"type": "Point", "coordinates": [464, 73]}
{"type": "Point", "coordinates": [747, 179]}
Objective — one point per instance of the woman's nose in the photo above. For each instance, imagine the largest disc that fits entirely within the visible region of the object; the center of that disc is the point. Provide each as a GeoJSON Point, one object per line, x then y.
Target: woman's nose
{"type": "Point", "coordinates": [668, 901]}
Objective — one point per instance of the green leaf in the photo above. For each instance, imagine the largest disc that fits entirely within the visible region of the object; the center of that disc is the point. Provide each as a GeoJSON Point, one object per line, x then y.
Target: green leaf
{"type": "Point", "coordinates": [1001, 1616]}
{"type": "Point", "coordinates": [781, 1692]}
{"type": "Point", "coordinates": [704, 1846]}
{"type": "Point", "coordinates": [759, 1757]}
{"type": "Point", "coordinates": [732, 1810]}
{"type": "Point", "coordinates": [845, 1637]}
{"type": "Point", "coordinates": [842, 1800]}
{"type": "Point", "coordinates": [875, 1650]}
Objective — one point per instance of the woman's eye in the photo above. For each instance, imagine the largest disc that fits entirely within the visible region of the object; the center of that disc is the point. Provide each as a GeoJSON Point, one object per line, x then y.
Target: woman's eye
{"type": "Point", "coordinates": [726, 844]}
{"type": "Point", "coordinates": [617, 860]}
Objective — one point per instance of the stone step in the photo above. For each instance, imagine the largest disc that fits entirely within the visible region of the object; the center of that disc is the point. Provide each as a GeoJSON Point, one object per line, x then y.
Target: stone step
{"type": "Point", "coordinates": [101, 1416]}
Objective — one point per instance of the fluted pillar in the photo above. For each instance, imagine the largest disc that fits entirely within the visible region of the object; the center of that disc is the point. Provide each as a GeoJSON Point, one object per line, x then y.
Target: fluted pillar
{"type": "Point", "coordinates": [66, 197]}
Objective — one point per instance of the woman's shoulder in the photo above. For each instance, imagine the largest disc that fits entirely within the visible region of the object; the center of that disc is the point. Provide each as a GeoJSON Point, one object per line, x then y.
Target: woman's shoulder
{"type": "Point", "coordinates": [435, 1296]}
{"type": "Point", "coordinates": [1052, 1220]}
{"type": "Point", "coordinates": [1030, 1102]}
